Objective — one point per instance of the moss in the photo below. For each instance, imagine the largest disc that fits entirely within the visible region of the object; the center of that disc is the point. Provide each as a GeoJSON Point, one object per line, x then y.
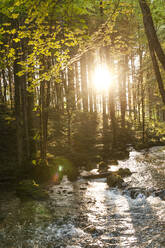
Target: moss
{"type": "Point", "coordinates": [103, 166]}
{"type": "Point", "coordinates": [29, 189]}
{"type": "Point", "coordinates": [124, 172]}
{"type": "Point", "coordinates": [113, 162]}
{"type": "Point", "coordinates": [114, 180]}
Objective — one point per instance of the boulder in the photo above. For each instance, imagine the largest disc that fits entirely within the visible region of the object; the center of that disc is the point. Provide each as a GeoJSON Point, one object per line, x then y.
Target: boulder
{"type": "Point", "coordinates": [114, 180]}
{"type": "Point", "coordinates": [103, 166]}
{"type": "Point", "coordinates": [161, 194]}
{"type": "Point", "coordinates": [113, 162]}
{"type": "Point", "coordinates": [124, 172]}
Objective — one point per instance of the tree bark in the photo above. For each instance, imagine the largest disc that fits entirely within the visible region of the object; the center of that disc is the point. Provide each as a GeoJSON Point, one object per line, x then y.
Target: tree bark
{"type": "Point", "coordinates": [122, 90]}
{"type": "Point", "coordinates": [18, 109]}
{"type": "Point", "coordinates": [84, 83]}
{"type": "Point", "coordinates": [133, 89]}
{"type": "Point", "coordinates": [142, 92]}
{"type": "Point", "coordinates": [110, 63]}
{"type": "Point", "coordinates": [1, 96]}
{"type": "Point", "coordinates": [4, 86]}
{"type": "Point", "coordinates": [157, 73]}
{"type": "Point", "coordinates": [10, 86]}
{"type": "Point", "coordinates": [90, 74]}
{"type": "Point", "coordinates": [151, 32]}
{"type": "Point", "coordinates": [78, 94]}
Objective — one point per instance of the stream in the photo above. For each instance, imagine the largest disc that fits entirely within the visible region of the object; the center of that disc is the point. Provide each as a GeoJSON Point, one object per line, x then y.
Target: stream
{"type": "Point", "coordinates": [88, 214]}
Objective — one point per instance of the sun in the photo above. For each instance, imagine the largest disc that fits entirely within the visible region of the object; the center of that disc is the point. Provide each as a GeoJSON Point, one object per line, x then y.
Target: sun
{"type": "Point", "coordinates": [102, 78]}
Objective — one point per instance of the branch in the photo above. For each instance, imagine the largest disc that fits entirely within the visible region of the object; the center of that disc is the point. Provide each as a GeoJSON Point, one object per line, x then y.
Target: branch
{"type": "Point", "coordinates": [97, 37]}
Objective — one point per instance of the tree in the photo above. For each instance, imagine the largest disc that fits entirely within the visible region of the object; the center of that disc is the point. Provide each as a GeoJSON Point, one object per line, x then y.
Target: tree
{"type": "Point", "coordinates": [154, 45]}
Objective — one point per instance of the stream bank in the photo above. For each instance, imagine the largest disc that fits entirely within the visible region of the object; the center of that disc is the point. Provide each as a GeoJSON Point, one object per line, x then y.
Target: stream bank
{"type": "Point", "coordinates": [88, 214]}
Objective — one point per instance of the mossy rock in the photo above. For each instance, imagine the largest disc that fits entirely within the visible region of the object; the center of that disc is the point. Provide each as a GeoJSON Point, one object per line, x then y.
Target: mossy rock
{"type": "Point", "coordinates": [103, 165]}
{"type": "Point", "coordinates": [141, 146]}
{"type": "Point", "coordinates": [124, 172]}
{"type": "Point", "coordinates": [113, 162]}
{"type": "Point", "coordinates": [114, 180]}
{"type": "Point", "coordinates": [29, 189]}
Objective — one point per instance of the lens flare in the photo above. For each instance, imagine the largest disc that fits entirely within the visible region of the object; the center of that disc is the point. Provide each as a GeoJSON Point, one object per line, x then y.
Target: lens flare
{"type": "Point", "coordinates": [102, 78]}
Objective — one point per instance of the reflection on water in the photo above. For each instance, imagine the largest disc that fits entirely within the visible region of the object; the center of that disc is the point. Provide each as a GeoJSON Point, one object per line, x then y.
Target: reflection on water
{"type": "Point", "coordinates": [87, 214]}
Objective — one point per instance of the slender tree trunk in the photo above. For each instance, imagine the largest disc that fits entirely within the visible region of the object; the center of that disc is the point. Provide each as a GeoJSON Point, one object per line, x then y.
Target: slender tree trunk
{"type": "Point", "coordinates": [110, 64]}
{"type": "Point", "coordinates": [42, 106]}
{"type": "Point", "coordinates": [142, 93]}
{"type": "Point", "coordinates": [105, 127]}
{"type": "Point", "coordinates": [10, 86]}
{"type": "Point", "coordinates": [71, 88]}
{"type": "Point", "coordinates": [104, 107]}
{"type": "Point", "coordinates": [4, 86]}
{"type": "Point", "coordinates": [94, 101]}
{"type": "Point", "coordinates": [44, 110]}
{"type": "Point", "coordinates": [151, 32]}
{"type": "Point", "coordinates": [1, 95]}
{"type": "Point", "coordinates": [84, 83]}
{"type": "Point", "coordinates": [133, 89]}
{"type": "Point", "coordinates": [129, 98]}
{"type": "Point", "coordinates": [30, 106]}
{"type": "Point", "coordinates": [25, 117]}
{"type": "Point", "coordinates": [90, 75]}
{"type": "Point", "coordinates": [68, 111]}
{"type": "Point", "coordinates": [78, 94]}
{"type": "Point", "coordinates": [122, 91]}
{"type": "Point", "coordinates": [18, 109]}
{"type": "Point", "coordinates": [58, 88]}
{"type": "Point", "coordinates": [149, 90]}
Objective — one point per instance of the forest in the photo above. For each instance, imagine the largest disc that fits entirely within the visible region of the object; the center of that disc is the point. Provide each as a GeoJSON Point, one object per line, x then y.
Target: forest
{"type": "Point", "coordinates": [79, 80]}
{"type": "Point", "coordinates": [82, 123]}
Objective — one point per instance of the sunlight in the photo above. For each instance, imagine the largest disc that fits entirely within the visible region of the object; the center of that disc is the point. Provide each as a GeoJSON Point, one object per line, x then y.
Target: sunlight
{"type": "Point", "coordinates": [102, 78]}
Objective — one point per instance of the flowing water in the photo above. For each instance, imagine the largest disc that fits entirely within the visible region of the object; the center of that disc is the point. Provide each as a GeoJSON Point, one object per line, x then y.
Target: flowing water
{"type": "Point", "coordinates": [88, 214]}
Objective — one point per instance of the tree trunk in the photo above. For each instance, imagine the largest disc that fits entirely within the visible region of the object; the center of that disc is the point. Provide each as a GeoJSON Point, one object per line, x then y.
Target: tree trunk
{"type": "Point", "coordinates": [142, 93]}
{"type": "Point", "coordinates": [110, 63]}
{"type": "Point", "coordinates": [129, 98]}
{"type": "Point", "coordinates": [133, 89]}
{"type": "Point", "coordinates": [157, 73]}
{"type": "Point", "coordinates": [30, 106]}
{"type": "Point", "coordinates": [25, 118]}
{"type": "Point", "coordinates": [151, 32]}
{"type": "Point", "coordinates": [4, 86]}
{"type": "Point", "coordinates": [105, 127]}
{"type": "Point", "coordinates": [122, 90]}
{"type": "Point", "coordinates": [78, 94]}
{"type": "Point", "coordinates": [71, 89]}
{"type": "Point", "coordinates": [90, 75]}
{"type": "Point", "coordinates": [10, 86]}
{"type": "Point", "coordinates": [18, 109]}
{"type": "Point", "coordinates": [154, 45]}
{"type": "Point", "coordinates": [68, 111]}
{"type": "Point", "coordinates": [84, 83]}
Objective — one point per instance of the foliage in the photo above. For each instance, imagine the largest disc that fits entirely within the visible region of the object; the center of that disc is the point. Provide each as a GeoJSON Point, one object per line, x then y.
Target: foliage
{"type": "Point", "coordinates": [41, 45]}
